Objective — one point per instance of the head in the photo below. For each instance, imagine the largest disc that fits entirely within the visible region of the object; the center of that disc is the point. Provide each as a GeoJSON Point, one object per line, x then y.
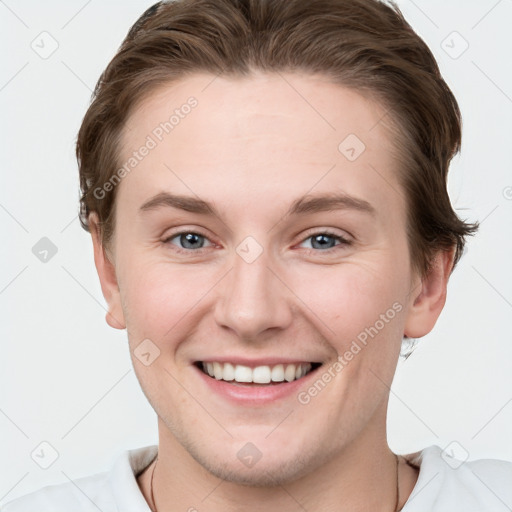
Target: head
{"type": "Point", "coordinates": [265, 182]}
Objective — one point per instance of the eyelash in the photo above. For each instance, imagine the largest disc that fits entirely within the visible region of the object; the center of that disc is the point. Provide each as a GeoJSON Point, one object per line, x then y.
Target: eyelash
{"type": "Point", "coordinates": [343, 242]}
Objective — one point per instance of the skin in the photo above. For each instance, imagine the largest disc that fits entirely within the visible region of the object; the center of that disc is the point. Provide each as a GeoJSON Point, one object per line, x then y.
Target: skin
{"type": "Point", "coordinates": [251, 147]}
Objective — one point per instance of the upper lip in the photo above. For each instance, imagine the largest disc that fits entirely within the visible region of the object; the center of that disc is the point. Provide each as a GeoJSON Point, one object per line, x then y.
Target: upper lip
{"type": "Point", "coordinates": [253, 363]}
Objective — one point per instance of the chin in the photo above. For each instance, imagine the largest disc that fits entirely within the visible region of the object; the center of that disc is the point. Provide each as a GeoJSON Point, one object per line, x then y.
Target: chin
{"type": "Point", "coordinates": [271, 470]}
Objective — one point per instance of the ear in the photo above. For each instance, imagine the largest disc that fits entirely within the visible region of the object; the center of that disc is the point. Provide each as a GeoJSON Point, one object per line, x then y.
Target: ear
{"type": "Point", "coordinates": [107, 274]}
{"type": "Point", "coordinates": [429, 296]}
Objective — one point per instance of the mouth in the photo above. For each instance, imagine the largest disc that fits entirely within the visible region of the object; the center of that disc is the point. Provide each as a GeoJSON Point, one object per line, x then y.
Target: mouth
{"type": "Point", "coordinates": [262, 375]}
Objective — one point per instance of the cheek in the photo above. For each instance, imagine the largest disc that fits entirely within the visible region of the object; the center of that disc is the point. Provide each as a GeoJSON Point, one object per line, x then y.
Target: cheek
{"type": "Point", "coordinates": [158, 297]}
{"type": "Point", "coordinates": [160, 303]}
{"type": "Point", "coordinates": [353, 294]}
{"type": "Point", "coordinates": [358, 308]}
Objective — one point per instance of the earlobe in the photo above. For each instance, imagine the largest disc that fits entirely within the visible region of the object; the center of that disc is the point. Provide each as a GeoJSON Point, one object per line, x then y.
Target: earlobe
{"type": "Point", "coordinates": [114, 322]}
{"type": "Point", "coordinates": [429, 296]}
{"type": "Point", "coordinates": [107, 275]}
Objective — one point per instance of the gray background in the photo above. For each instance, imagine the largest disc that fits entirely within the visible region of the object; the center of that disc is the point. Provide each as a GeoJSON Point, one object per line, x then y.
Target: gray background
{"type": "Point", "coordinates": [66, 377]}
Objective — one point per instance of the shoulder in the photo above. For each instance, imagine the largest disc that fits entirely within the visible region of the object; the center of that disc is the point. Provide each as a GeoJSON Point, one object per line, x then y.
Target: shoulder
{"type": "Point", "coordinates": [449, 482]}
{"type": "Point", "coordinates": [81, 495]}
{"type": "Point", "coordinates": [109, 492]}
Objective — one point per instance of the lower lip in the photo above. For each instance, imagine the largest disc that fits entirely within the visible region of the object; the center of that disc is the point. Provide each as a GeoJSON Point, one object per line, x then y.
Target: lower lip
{"type": "Point", "coordinates": [255, 394]}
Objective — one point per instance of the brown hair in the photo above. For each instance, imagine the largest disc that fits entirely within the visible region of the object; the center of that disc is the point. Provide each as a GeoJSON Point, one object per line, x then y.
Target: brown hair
{"type": "Point", "coordinates": [365, 45]}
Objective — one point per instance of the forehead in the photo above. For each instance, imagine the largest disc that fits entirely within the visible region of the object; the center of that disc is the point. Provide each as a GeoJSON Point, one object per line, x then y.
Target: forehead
{"type": "Point", "coordinates": [273, 135]}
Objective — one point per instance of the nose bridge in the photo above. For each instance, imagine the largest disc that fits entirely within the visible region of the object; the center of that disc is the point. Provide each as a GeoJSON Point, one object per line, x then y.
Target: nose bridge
{"type": "Point", "coordinates": [252, 299]}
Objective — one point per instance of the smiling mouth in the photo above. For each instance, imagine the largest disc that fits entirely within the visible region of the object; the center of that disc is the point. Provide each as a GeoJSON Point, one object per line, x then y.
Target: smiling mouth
{"type": "Point", "coordinates": [240, 374]}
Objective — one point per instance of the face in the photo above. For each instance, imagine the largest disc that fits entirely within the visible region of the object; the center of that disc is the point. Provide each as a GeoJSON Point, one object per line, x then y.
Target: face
{"type": "Point", "coordinates": [258, 239]}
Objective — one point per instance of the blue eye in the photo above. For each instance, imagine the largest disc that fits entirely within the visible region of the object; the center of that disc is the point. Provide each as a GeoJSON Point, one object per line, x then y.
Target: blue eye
{"type": "Point", "coordinates": [188, 240]}
{"type": "Point", "coordinates": [325, 241]}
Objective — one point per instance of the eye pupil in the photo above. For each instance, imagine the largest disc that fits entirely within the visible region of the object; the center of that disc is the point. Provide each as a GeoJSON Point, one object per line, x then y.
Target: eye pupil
{"type": "Point", "coordinates": [324, 241]}
{"type": "Point", "coordinates": [191, 240]}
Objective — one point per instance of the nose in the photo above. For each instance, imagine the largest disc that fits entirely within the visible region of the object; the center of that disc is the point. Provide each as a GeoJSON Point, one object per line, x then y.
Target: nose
{"type": "Point", "coordinates": [253, 300]}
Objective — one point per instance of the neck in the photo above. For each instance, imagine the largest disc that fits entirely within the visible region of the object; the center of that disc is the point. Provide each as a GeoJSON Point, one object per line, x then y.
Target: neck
{"type": "Point", "coordinates": [362, 476]}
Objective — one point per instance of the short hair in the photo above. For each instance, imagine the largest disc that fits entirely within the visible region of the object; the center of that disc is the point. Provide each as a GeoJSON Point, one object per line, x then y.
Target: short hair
{"type": "Point", "coordinates": [365, 45]}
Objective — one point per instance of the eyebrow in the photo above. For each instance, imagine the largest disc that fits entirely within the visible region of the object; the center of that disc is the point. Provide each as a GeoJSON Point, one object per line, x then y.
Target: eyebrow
{"type": "Point", "coordinates": [301, 206]}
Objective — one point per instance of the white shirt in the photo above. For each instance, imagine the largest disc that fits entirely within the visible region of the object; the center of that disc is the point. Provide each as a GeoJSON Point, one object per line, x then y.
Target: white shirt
{"type": "Point", "coordinates": [443, 485]}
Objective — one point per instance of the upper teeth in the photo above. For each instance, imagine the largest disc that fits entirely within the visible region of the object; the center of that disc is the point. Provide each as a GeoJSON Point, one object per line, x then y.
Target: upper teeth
{"type": "Point", "coordinates": [259, 374]}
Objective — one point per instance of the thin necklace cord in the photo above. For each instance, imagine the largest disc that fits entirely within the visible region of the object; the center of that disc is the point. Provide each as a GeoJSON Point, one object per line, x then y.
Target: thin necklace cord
{"type": "Point", "coordinates": [154, 509]}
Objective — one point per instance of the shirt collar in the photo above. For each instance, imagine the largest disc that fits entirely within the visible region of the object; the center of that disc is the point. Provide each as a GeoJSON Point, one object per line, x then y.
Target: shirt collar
{"type": "Point", "coordinates": [123, 478]}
